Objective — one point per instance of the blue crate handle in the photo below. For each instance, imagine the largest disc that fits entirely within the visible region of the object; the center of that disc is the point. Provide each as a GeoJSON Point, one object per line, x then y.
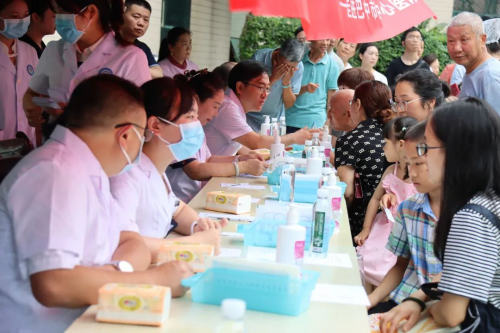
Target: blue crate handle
{"type": "Point", "coordinates": [191, 281]}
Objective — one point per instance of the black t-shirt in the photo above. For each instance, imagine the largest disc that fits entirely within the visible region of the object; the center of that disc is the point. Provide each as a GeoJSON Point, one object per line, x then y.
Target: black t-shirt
{"type": "Point", "coordinates": [151, 59]}
{"type": "Point", "coordinates": [27, 39]}
{"type": "Point", "coordinates": [397, 67]}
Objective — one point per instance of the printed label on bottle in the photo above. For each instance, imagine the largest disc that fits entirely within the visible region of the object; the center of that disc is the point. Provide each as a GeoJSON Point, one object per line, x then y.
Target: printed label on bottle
{"type": "Point", "coordinates": [318, 232]}
{"type": "Point", "coordinates": [336, 204]}
{"type": "Point", "coordinates": [268, 132]}
{"type": "Point", "coordinates": [299, 251]}
{"type": "Point", "coordinates": [327, 152]}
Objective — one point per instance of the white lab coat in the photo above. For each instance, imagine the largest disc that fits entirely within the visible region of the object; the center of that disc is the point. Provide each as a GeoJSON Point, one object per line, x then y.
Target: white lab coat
{"type": "Point", "coordinates": [13, 85]}
{"type": "Point", "coordinates": [58, 73]}
{"type": "Point", "coordinates": [143, 196]}
{"type": "Point", "coordinates": [56, 212]}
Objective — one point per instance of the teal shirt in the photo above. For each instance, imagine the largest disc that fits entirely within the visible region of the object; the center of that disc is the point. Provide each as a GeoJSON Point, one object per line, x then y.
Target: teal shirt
{"type": "Point", "coordinates": [311, 108]}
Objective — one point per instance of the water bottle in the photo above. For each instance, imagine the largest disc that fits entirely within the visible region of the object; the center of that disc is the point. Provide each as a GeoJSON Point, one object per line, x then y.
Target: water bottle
{"type": "Point", "coordinates": [233, 311]}
{"type": "Point", "coordinates": [274, 126]}
{"type": "Point", "coordinates": [315, 140]}
{"type": "Point", "coordinates": [287, 182]}
{"type": "Point", "coordinates": [282, 126]}
{"type": "Point", "coordinates": [307, 149]}
{"type": "Point", "coordinates": [319, 236]}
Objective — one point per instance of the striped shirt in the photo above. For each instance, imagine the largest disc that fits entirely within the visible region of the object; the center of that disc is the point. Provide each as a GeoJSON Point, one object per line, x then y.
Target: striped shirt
{"type": "Point", "coordinates": [471, 266]}
{"type": "Point", "coordinates": [412, 237]}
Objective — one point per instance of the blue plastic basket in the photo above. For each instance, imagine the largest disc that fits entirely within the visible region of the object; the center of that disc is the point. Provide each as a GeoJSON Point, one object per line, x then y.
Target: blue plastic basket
{"type": "Point", "coordinates": [262, 292]}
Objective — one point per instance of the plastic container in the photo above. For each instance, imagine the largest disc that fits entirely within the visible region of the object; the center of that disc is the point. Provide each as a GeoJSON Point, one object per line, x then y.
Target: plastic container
{"type": "Point", "coordinates": [322, 214]}
{"type": "Point", "coordinates": [282, 126]}
{"type": "Point", "coordinates": [291, 240]}
{"type": "Point", "coordinates": [265, 292]}
{"type": "Point", "coordinates": [277, 148]}
{"type": "Point", "coordinates": [307, 149]}
{"type": "Point", "coordinates": [274, 127]}
{"type": "Point", "coordinates": [287, 181]}
{"type": "Point", "coordinates": [265, 128]}
{"type": "Point", "coordinates": [315, 140]}
{"type": "Point", "coordinates": [314, 163]}
{"type": "Point", "coordinates": [321, 153]}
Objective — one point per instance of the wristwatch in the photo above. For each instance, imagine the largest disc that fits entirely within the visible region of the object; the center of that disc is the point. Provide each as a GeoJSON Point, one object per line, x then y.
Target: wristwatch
{"type": "Point", "coordinates": [122, 266]}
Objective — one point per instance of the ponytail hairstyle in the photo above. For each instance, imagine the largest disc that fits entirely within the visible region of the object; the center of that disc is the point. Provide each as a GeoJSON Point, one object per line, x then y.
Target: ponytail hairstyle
{"type": "Point", "coordinates": [204, 83]}
{"type": "Point", "coordinates": [167, 98]}
{"type": "Point", "coordinates": [396, 129]}
{"type": "Point", "coordinates": [375, 98]}
{"type": "Point", "coordinates": [110, 13]}
{"type": "Point", "coordinates": [172, 38]}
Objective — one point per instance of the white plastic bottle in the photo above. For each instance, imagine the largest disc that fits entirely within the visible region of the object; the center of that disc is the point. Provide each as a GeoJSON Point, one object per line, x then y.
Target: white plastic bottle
{"type": "Point", "coordinates": [274, 126]}
{"type": "Point", "coordinates": [322, 212]}
{"type": "Point", "coordinates": [233, 312]}
{"type": "Point", "coordinates": [282, 126]}
{"type": "Point", "coordinates": [314, 163]}
{"type": "Point", "coordinates": [265, 128]}
{"type": "Point", "coordinates": [315, 140]}
{"type": "Point", "coordinates": [287, 182]}
{"type": "Point", "coordinates": [307, 149]}
{"type": "Point", "coordinates": [327, 143]}
{"type": "Point", "coordinates": [321, 151]}
{"type": "Point", "coordinates": [291, 239]}
{"type": "Point", "coordinates": [334, 199]}
{"type": "Point", "coordinates": [277, 148]}
{"type": "Point", "coordinates": [326, 173]}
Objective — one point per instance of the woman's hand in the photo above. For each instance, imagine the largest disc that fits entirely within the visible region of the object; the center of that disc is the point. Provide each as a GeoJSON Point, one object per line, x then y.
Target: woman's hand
{"type": "Point", "coordinates": [244, 158]}
{"type": "Point", "coordinates": [209, 237]}
{"type": "Point", "coordinates": [362, 236]}
{"type": "Point", "coordinates": [207, 224]}
{"type": "Point", "coordinates": [254, 167]}
{"type": "Point", "coordinates": [409, 310]}
{"type": "Point", "coordinates": [302, 135]}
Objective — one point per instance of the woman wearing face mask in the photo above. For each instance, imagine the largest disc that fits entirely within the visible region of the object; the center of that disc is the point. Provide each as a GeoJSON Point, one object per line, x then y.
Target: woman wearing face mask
{"type": "Point", "coordinates": [90, 44]}
{"type": "Point", "coordinates": [346, 51]}
{"type": "Point", "coordinates": [144, 192]}
{"type": "Point", "coordinates": [18, 61]}
{"type": "Point", "coordinates": [175, 51]}
{"type": "Point", "coordinates": [418, 93]}
{"type": "Point", "coordinates": [368, 53]}
{"type": "Point", "coordinates": [229, 132]}
{"type": "Point", "coordinates": [190, 174]}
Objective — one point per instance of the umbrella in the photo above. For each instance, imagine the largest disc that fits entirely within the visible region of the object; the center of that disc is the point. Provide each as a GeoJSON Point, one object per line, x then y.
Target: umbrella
{"type": "Point", "coordinates": [360, 21]}
{"type": "Point", "coordinates": [287, 8]}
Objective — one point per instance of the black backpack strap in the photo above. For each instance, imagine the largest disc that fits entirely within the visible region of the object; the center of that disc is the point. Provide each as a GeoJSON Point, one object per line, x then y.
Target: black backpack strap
{"type": "Point", "coordinates": [486, 213]}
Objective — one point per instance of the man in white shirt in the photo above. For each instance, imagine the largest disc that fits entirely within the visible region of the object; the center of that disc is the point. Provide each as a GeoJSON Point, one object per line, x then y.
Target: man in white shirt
{"type": "Point", "coordinates": [62, 235]}
{"type": "Point", "coordinates": [467, 47]}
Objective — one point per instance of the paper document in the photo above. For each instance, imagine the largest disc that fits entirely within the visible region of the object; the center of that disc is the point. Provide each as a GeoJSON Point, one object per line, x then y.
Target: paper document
{"type": "Point", "coordinates": [261, 253]}
{"type": "Point", "coordinates": [230, 217]}
{"type": "Point", "coordinates": [246, 175]}
{"type": "Point", "coordinates": [389, 215]}
{"type": "Point", "coordinates": [229, 253]}
{"type": "Point", "coordinates": [232, 235]}
{"type": "Point", "coordinates": [332, 259]}
{"type": "Point", "coordinates": [255, 200]}
{"type": "Point", "coordinates": [244, 186]}
{"type": "Point", "coordinates": [332, 293]}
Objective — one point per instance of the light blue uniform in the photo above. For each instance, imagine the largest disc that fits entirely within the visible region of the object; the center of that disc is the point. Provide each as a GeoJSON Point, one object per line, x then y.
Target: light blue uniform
{"type": "Point", "coordinates": [484, 83]}
{"type": "Point", "coordinates": [274, 106]}
{"type": "Point", "coordinates": [309, 108]}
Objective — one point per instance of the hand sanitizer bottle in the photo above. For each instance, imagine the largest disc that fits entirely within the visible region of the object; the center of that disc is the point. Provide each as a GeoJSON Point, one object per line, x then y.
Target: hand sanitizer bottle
{"type": "Point", "coordinates": [291, 239]}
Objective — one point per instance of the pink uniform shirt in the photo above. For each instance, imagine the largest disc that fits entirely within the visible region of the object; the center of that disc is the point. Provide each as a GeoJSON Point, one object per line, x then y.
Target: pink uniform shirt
{"type": "Point", "coordinates": [170, 70]}
{"type": "Point", "coordinates": [229, 124]}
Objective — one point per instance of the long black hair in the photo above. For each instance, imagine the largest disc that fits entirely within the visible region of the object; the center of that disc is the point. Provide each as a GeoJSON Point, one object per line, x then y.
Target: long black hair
{"type": "Point", "coordinates": [469, 131]}
{"type": "Point", "coordinates": [172, 38]}
{"type": "Point", "coordinates": [426, 85]}
{"type": "Point", "coordinates": [204, 83]}
{"type": "Point", "coordinates": [396, 129]}
{"type": "Point", "coordinates": [110, 13]}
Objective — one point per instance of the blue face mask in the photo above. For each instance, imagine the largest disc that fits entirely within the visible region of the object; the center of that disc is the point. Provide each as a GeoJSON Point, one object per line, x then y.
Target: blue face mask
{"type": "Point", "coordinates": [192, 139]}
{"type": "Point", "coordinates": [66, 27]}
{"type": "Point", "coordinates": [130, 165]}
{"type": "Point", "coordinates": [15, 28]}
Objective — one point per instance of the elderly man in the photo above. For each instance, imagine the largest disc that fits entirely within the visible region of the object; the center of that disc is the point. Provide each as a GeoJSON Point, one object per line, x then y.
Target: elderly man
{"type": "Point", "coordinates": [285, 74]}
{"type": "Point", "coordinates": [339, 115]}
{"type": "Point", "coordinates": [467, 47]}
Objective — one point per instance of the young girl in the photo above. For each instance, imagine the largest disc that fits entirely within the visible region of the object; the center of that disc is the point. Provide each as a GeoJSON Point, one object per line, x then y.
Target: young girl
{"type": "Point", "coordinates": [190, 174]}
{"type": "Point", "coordinates": [373, 238]}
{"type": "Point", "coordinates": [144, 193]}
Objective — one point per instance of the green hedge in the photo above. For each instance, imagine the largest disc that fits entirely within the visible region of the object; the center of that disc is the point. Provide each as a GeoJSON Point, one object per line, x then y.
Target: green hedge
{"type": "Point", "coordinates": [263, 32]}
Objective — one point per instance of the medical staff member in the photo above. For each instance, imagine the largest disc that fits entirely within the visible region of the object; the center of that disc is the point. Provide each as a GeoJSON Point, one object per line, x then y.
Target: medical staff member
{"type": "Point", "coordinates": [62, 236]}
{"type": "Point", "coordinates": [145, 193]}
{"type": "Point", "coordinates": [18, 61]}
{"type": "Point", "coordinates": [190, 175]}
{"type": "Point", "coordinates": [175, 51]}
{"type": "Point", "coordinates": [91, 44]}
{"type": "Point", "coordinates": [229, 132]}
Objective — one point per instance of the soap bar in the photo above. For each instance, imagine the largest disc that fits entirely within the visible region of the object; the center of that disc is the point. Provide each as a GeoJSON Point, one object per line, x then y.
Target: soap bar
{"type": "Point", "coordinates": [136, 304]}
{"type": "Point", "coordinates": [265, 153]}
{"type": "Point", "coordinates": [193, 254]}
{"type": "Point", "coordinates": [226, 202]}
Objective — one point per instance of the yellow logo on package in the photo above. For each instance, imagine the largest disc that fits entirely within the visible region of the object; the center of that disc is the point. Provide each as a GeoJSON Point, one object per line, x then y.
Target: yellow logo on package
{"type": "Point", "coordinates": [130, 303]}
{"type": "Point", "coordinates": [186, 256]}
{"type": "Point", "coordinates": [221, 199]}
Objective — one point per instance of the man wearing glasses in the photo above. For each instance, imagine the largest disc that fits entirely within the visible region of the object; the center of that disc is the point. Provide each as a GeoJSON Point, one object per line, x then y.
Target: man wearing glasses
{"type": "Point", "coordinates": [410, 60]}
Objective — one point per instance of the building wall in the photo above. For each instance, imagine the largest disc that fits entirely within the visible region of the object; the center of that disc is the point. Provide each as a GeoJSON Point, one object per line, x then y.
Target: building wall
{"type": "Point", "coordinates": [442, 8]}
{"type": "Point", "coordinates": [153, 36]}
{"type": "Point", "coordinates": [211, 27]}
{"type": "Point", "coordinates": [237, 23]}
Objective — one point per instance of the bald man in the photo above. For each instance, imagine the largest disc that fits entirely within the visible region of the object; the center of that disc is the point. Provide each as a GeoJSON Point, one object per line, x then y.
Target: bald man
{"type": "Point", "coordinates": [339, 115]}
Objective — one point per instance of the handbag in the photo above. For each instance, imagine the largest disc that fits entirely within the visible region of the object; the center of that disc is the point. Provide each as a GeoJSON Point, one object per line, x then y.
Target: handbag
{"type": "Point", "coordinates": [480, 317]}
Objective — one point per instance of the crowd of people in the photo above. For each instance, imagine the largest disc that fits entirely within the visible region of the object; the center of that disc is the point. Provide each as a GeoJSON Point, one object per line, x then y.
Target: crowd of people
{"type": "Point", "coordinates": [124, 141]}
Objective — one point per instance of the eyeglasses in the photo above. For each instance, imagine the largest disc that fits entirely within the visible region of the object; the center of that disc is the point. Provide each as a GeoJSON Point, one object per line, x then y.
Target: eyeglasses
{"type": "Point", "coordinates": [415, 38]}
{"type": "Point", "coordinates": [148, 135]}
{"type": "Point", "coordinates": [403, 106]}
{"type": "Point", "coordinates": [262, 89]}
{"type": "Point", "coordinates": [423, 148]}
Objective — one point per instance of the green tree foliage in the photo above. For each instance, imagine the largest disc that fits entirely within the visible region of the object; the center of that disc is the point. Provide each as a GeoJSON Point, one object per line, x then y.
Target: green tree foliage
{"type": "Point", "coordinates": [270, 32]}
